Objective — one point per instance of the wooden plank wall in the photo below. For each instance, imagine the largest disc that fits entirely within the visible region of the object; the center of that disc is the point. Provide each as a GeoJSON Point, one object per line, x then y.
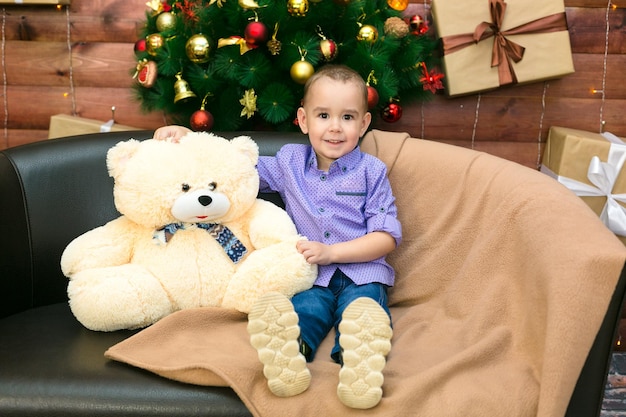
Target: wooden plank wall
{"type": "Point", "coordinates": [77, 60]}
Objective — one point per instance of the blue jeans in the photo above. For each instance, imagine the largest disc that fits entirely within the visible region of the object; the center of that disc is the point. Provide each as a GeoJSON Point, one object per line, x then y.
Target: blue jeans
{"type": "Point", "coordinates": [320, 309]}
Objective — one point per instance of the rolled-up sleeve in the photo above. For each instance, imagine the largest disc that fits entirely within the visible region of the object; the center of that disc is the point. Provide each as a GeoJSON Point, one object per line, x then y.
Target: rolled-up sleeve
{"type": "Point", "coordinates": [381, 210]}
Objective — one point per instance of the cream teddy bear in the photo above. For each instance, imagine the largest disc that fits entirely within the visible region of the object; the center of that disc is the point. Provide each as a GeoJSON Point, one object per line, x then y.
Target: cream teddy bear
{"type": "Point", "coordinates": [192, 234]}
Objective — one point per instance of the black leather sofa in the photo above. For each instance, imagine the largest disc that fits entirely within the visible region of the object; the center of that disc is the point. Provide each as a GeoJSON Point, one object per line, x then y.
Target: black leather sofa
{"type": "Point", "coordinates": [52, 191]}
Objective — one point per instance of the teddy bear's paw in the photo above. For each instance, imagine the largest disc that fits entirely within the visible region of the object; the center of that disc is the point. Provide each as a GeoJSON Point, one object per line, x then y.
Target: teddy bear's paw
{"type": "Point", "coordinates": [278, 268]}
{"type": "Point", "coordinates": [124, 297]}
{"type": "Point", "coordinates": [274, 332]}
{"type": "Point", "coordinates": [365, 341]}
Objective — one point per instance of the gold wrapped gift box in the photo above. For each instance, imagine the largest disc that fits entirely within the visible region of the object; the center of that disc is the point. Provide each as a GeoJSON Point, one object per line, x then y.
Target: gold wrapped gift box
{"type": "Point", "coordinates": [62, 125]}
{"type": "Point", "coordinates": [578, 158]}
{"type": "Point", "coordinates": [537, 26]}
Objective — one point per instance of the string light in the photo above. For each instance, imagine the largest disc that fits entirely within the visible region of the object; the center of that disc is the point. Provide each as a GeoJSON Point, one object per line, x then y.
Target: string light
{"type": "Point", "coordinates": [475, 119]}
{"type": "Point", "coordinates": [546, 85]}
{"type": "Point", "coordinates": [609, 6]}
{"type": "Point", "coordinates": [71, 66]}
{"type": "Point", "coordinates": [4, 81]}
{"type": "Point", "coordinates": [423, 124]}
{"type": "Point", "coordinates": [422, 115]}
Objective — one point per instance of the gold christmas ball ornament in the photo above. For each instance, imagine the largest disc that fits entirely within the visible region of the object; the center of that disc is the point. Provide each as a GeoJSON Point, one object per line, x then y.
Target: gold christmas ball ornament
{"type": "Point", "coordinates": [367, 33]}
{"type": "Point", "coordinates": [154, 43]}
{"type": "Point", "coordinates": [198, 49]}
{"type": "Point", "coordinates": [166, 21]}
{"type": "Point", "coordinates": [301, 71]}
{"type": "Point", "coordinates": [298, 8]}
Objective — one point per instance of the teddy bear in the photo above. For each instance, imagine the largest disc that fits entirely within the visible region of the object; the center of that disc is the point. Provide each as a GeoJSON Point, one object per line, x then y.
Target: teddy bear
{"type": "Point", "coordinates": [192, 233]}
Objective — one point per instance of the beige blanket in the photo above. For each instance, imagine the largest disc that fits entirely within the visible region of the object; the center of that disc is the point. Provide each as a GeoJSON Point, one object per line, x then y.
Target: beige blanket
{"type": "Point", "coordinates": [503, 278]}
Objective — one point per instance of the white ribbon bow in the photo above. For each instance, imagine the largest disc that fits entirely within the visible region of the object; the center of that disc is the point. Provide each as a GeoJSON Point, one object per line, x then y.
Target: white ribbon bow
{"type": "Point", "coordinates": [603, 175]}
{"type": "Point", "coordinates": [106, 127]}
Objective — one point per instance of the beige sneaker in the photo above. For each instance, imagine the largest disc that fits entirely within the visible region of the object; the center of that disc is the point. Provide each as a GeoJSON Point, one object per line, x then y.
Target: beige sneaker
{"type": "Point", "coordinates": [274, 332]}
{"type": "Point", "coordinates": [365, 340]}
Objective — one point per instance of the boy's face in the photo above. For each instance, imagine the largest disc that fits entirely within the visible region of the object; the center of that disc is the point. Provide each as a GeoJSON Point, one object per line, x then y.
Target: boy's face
{"type": "Point", "coordinates": [335, 116]}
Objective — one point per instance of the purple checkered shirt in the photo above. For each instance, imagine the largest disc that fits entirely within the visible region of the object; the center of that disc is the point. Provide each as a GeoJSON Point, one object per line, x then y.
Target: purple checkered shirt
{"type": "Point", "coordinates": [351, 199]}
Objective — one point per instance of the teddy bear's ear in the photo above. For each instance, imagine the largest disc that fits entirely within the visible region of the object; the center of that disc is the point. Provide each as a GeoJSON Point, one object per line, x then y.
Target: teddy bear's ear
{"type": "Point", "coordinates": [248, 147]}
{"type": "Point", "coordinates": [119, 155]}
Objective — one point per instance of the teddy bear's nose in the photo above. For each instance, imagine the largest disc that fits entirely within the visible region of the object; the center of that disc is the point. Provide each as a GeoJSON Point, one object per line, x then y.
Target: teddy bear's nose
{"type": "Point", "coordinates": [205, 200]}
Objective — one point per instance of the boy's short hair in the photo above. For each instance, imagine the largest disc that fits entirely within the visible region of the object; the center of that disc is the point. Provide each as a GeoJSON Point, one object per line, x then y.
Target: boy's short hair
{"type": "Point", "coordinates": [338, 73]}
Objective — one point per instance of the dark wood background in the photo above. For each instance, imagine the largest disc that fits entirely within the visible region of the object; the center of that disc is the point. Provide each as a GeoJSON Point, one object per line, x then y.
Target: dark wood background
{"type": "Point", "coordinates": [77, 60]}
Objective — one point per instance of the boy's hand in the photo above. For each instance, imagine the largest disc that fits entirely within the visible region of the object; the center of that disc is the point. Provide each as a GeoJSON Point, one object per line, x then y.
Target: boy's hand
{"type": "Point", "coordinates": [173, 133]}
{"type": "Point", "coordinates": [315, 252]}
{"type": "Point", "coordinates": [366, 248]}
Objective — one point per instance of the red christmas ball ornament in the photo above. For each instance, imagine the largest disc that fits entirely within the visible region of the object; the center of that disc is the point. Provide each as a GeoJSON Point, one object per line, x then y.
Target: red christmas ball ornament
{"type": "Point", "coordinates": [391, 113]}
{"type": "Point", "coordinates": [256, 33]}
{"type": "Point", "coordinates": [201, 120]}
{"type": "Point", "coordinates": [140, 46]}
{"type": "Point", "coordinates": [372, 97]}
{"type": "Point", "coordinates": [418, 25]}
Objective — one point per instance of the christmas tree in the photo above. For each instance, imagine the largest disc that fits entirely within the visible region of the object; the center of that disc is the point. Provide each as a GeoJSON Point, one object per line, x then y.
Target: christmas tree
{"type": "Point", "coordinates": [230, 65]}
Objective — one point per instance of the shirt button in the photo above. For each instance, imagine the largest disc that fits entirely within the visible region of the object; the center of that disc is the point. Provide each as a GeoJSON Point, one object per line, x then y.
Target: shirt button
{"type": "Point", "coordinates": [321, 209]}
{"type": "Point", "coordinates": [326, 235]}
{"type": "Point", "coordinates": [344, 169]}
{"type": "Point", "coordinates": [323, 177]}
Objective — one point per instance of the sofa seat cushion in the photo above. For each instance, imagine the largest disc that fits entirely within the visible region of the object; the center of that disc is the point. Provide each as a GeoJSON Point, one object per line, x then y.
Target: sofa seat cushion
{"type": "Point", "coordinates": [53, 366]}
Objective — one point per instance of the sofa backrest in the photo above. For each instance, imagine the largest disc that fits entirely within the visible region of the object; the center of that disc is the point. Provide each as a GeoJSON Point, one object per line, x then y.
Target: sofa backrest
{"type": "Point", "coordinates": [53, 191]}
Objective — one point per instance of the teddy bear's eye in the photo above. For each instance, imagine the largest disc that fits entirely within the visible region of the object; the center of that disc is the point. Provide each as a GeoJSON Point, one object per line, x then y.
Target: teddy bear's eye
{"type": "Point", "coordinates": [212, 186]}
{"type": "Point", "coordinates": [185, 187]}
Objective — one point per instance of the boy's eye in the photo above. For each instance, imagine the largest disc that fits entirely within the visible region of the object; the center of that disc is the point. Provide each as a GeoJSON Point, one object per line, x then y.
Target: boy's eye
{"type": "Point", "coordinates": [348, 117]}
{"type": "Point", "coordinates": [323, 115]}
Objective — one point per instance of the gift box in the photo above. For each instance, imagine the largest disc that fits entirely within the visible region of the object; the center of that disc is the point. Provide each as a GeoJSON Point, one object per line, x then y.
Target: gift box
{"type": "Point", "coordinates": [62, 125]}
{"type": "Point", "coordinates": [490, 43]}
{"type": "Point", "coordinates": [591, 165]}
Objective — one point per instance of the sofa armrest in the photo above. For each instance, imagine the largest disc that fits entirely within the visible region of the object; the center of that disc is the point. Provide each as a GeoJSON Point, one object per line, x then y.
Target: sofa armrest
{"type": "Point", "coordinates": [52, 191]}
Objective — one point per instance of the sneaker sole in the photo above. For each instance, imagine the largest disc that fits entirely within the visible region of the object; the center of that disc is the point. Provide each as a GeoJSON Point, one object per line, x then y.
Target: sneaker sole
{"type": "Point", "coordinates": [274, 332]}
{"type": "Point", "coordinates": [365, 340]}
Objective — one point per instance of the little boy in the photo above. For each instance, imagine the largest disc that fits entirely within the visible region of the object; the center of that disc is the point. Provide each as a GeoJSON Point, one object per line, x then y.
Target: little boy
{"type": "Point", "coordinates": [341, 200]}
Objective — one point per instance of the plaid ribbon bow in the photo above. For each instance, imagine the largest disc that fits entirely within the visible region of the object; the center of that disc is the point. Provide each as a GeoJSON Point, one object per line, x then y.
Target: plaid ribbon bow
{"type": "Point", "coordinates": [224, 236]}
